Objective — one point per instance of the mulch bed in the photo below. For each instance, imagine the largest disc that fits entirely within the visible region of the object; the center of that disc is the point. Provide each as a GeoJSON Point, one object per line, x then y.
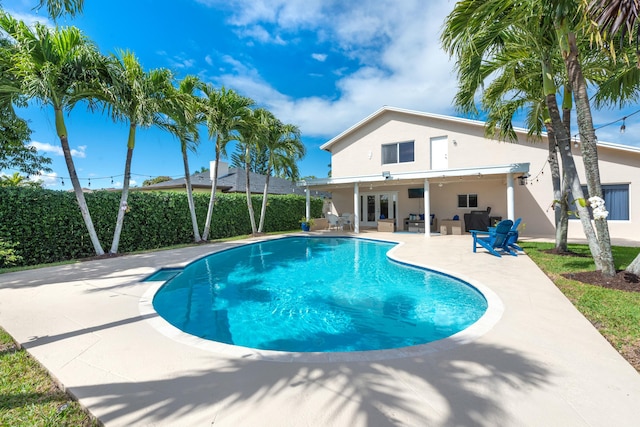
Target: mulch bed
{"type": "Point", "coordinates": [622, 281]}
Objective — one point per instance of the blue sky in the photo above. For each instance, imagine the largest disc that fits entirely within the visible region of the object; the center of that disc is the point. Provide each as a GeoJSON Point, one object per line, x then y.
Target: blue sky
{"type": "Point", "coordinates": [322, 65]}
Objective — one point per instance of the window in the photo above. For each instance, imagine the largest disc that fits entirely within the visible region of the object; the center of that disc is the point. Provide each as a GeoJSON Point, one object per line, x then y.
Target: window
{"type": "Point", "coordinates": [400, 152]}
{"type": "Point", "coordinates": [616, 201]}
{"type": "Point", "coordinates": [467, 200]}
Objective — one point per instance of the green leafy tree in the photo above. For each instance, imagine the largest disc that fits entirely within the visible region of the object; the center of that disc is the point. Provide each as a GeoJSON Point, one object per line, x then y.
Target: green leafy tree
{"type": "Point", "coordinates": [134, 96]}
{"type": "Point", "coordinates": [15, 153]}
{"type": "Point", "coordinates": [156, 180]}
{"type": "Point", "coordinates": [257, 162]}
{"type": "Point", "coordinates": [54, 66]}
{"type": "Point", "coordinates": [224, 109]}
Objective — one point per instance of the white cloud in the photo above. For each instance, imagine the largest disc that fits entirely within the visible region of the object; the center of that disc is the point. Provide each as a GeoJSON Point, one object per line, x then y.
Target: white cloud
{"type": "Point", "coordinates": [396, 43]}
{"type": "Point", "coordinates": [208, 59]}
{"type": "Point", "coordinates": [180, 61]}
{"type": "Point", "coordinates": [50, 179]}
{"type": "Point", "coordinates": [260, 34]}
{"type": "Point", "coordinates": [321, 57]}
{"type": "Point", "coordinates": [30, 19]}
{"type": "Point", "coordinates": [57, 151]}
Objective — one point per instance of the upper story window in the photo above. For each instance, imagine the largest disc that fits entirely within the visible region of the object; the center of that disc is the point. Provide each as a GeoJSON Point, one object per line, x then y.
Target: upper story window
{"type": "Point", "coordinates": [399, 152]}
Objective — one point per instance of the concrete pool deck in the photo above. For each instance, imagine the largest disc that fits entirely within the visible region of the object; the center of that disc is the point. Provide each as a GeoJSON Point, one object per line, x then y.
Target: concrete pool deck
{"type": "Point", "coordinates": [541, 364]}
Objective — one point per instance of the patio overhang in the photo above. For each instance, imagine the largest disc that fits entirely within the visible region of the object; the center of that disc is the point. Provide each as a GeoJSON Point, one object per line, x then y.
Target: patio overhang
{"type": "Point", "coordinates": [444, 175]}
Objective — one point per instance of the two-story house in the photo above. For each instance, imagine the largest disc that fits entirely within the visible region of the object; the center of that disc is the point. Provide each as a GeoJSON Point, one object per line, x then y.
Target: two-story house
{"type": "Point", "coordinates": [407, 165]}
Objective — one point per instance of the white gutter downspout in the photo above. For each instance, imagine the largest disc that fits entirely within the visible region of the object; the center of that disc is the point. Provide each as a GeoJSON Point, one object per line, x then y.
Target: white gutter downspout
{"type": "Point", "coordinates": [427, 210]}
{"type": "Point", "coordinates": [356, 208]}
{"type": "Point", "coordinates": [510, 198]}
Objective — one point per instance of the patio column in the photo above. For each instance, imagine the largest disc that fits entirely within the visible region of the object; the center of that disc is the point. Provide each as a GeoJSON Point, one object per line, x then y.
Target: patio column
{"type": "Point", "coordinates": [510, 198]}
{"type": "Point", "coordinates": [308, 202]}
{"type": "Point", "coordinates": [427, 210]}
{"type": "Point", "coordinates": [356, 208]}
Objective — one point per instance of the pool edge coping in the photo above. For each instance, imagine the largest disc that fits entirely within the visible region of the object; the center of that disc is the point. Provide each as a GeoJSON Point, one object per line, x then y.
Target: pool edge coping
{"type": "Point", "coordinates": [493, 314]}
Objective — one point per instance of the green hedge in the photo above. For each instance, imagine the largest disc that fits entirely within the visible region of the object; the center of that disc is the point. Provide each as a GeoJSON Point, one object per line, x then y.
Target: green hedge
{"type": "Point", "coordinates": [43, 226]}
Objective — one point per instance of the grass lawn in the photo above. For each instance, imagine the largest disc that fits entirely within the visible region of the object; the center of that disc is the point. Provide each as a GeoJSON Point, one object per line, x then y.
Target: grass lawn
{"type": "Point", "coordinates": [616, 314]}
{"type": "Point", "coordinates": [28, 395]}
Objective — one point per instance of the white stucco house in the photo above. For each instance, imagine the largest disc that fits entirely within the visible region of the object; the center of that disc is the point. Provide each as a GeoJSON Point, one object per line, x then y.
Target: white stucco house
{"type": "Point", "coordinates": [404, 165]}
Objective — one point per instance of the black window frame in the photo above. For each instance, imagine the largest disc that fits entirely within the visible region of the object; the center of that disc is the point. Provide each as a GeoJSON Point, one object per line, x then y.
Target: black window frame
{"type": "Point", "coordinates": [466, 200]}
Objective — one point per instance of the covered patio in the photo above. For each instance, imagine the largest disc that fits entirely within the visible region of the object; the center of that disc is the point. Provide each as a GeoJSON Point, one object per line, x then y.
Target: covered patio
{"type": "Point", "coordinates": [364, 214]}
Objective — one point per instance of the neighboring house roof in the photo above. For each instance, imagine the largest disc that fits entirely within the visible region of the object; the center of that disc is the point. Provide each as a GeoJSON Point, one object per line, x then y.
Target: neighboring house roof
{"type": "Point", "coordinates": [233, 182]}
{"type": "Point", "coordinates": [380, 112]}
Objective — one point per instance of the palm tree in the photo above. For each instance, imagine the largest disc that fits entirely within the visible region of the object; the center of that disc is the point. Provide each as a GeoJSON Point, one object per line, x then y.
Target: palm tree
{"type": "Point", "coordinates": [615, 18]}
{"type": "Point", "coordinates": [17, 180]}
{"type": "Point", "coordinates": [57, 8]}
{"type": "Point", "coordinates": [223, 109]}
{"type": "Point", "coordinates": [478, 32]}
{"type": "Point", "coordinates": [183, 114]}
{"type": "Point", "coordinates": [252, 130]}
{"type": "Point", "coordinates": [284, 148]}
{"type": "Point", "coordinates": [55, 66]}
{"type": "Point", "coordinates": [568, 21]}
{"type": "Point", "coordinates": [134, 96]}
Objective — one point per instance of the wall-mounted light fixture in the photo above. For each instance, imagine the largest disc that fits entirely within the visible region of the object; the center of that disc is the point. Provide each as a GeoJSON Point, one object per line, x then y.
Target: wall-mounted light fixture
{"type": "Point", "coordinates": [522, 179]}
{"type": "Point", "coordinates": [455, 143]}
{"type": "Point", "coordinates": [386, 174]}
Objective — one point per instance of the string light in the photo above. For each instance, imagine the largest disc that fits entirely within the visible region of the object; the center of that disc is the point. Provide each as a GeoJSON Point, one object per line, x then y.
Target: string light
{"type": "Point", "coordinates": [623, 127]}
{"type": "Point", "coordinates": [541, 172]}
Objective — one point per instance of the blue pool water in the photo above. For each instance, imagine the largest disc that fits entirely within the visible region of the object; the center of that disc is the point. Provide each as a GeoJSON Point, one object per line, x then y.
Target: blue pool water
{"type": "Point", "coordinates": [316, 294]}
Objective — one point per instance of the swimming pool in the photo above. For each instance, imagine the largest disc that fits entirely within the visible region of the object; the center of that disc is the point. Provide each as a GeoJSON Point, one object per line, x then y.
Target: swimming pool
{"type": "Point", "coordinates": [316, 294]}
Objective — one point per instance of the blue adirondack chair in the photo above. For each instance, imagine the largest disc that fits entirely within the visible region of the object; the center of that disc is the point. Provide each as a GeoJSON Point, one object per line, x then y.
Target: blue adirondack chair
{"type": "Point", "coordinates": [513, 236]}
{"type": "Point", "coordinates": [497, 241]}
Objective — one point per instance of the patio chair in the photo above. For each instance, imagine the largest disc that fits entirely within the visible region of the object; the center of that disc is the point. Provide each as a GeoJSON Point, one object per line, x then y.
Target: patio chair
{"type": "Point", "coordinates": [347, 220]}
{"type": "Point", "coordinates": [512, 242]}
{"type": "Point", "coordinates": [513, 236]}
{"type": "Point", "coordinates": [497, 241]}
{"type": "Point", "coordinates": [334, 221]}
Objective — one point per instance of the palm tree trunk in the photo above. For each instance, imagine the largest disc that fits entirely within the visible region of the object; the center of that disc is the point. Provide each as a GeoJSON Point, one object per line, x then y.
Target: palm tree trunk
{"type": "Point", "coordinates": [212, 198]}
{"type": "Point", "coordinates": [252, 216]}
{"type": "Point", "coordinates": [634, 267]}
{"type": "Point", "coordinates": [61, 129]}
{"type": "Point", "coordinates": [589, 150]}
{"type": "Point", "coordinates": [263, 210]}
{"type": "Point", "coordinates": [192, 206]}
{"type": "Point", "coordinates": [560, 202]}
{"type": "Point", "coordinates": [122, 208]}
{"type": "Point", "coordinates": [571, 174]}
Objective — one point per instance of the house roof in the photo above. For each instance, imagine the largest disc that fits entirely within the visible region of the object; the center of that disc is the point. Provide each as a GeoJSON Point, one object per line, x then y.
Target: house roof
{"type": "Point", "coordinates": [232, 182]}
{"type": "Point", "coordinates": [327, 145]}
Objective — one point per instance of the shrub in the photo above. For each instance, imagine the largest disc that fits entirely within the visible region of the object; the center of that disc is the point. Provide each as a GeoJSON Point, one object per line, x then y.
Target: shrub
{"type": "Point", "coordinates": [46, 226]}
